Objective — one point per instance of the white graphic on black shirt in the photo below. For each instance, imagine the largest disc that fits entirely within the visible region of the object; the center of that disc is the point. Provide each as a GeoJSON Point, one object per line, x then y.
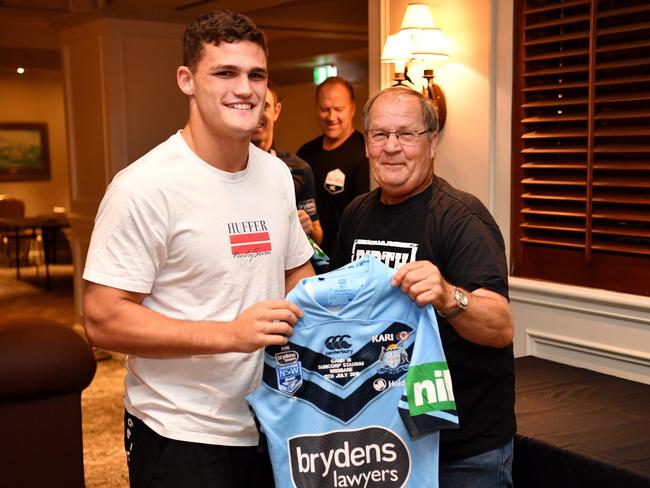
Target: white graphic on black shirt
{"type": "Point", "coordinates": [392, 253]}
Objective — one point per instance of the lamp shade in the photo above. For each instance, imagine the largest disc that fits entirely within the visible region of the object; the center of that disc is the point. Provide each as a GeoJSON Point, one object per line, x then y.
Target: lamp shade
{"type": "Point", "coordinates": [418, 16]}
{"type": "Point", "coordinates": [429, 44]}
{"type": "Point", "coordinates": [397, 48]}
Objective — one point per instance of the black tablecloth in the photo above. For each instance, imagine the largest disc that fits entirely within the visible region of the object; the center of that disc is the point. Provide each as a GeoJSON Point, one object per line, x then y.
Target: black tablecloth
{"type": "Point", "coordinates": [579, 428]}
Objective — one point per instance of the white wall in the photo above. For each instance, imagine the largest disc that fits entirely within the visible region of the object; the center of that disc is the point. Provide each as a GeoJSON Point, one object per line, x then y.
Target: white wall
{"type": "Point", "coordinates": [596, 329]}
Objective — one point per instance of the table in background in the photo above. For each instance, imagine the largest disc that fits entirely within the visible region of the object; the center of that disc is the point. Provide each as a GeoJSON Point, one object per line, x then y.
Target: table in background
{"type": "Point", "coordinates": [579, 428]}
{"type": "Point", "coordinates": [48, 225]}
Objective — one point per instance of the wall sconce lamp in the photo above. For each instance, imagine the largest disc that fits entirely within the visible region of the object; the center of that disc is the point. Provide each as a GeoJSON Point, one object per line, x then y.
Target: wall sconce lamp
{"type": "Point", "coordinates": [413, 49]}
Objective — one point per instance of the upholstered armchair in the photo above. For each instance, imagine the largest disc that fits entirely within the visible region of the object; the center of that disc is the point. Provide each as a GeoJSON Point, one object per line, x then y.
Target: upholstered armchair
{"type": "Point", "coordinates": [44, 366]}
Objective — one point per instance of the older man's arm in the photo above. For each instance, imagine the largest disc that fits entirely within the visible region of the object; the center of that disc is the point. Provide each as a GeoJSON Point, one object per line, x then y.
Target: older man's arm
{"type": "Point", "coordinates": [487, 321]}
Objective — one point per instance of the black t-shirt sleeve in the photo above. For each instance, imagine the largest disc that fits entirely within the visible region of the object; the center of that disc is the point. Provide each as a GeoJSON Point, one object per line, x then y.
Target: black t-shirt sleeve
{"type": "Point", "coordinates": [473, 253]}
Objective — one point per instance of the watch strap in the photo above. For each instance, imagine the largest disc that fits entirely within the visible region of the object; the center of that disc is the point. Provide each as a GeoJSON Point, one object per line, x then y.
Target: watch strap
{"type": "Point", "coordinates": [461, 305]}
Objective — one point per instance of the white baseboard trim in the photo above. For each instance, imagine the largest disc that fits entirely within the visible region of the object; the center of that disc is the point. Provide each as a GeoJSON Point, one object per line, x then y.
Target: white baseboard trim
{"type": "Point", "coordinates": [626, 363]}
{"type": "Point", "coordinates": [591, 301]}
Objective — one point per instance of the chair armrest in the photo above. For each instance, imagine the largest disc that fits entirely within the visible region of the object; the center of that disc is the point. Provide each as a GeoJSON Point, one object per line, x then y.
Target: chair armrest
{"type": "Point", "coordinates": [39, 357]}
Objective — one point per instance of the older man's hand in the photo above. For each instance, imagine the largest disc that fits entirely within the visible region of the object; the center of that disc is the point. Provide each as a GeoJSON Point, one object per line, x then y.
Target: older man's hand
{"type": "Point", "coordinates": [423, 282]}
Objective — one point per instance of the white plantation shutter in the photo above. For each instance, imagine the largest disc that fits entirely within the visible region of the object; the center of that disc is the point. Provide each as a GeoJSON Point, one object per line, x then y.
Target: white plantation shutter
{"type": "Point", "coordinates": [581, 145]}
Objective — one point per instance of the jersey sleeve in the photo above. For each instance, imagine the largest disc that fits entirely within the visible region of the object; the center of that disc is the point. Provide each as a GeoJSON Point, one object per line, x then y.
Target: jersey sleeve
{"type": "Point", "coordinates": [428, 403]}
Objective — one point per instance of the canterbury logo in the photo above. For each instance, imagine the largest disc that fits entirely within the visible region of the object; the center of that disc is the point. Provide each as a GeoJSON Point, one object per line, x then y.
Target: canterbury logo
{"type": "Point", "coordinates": [337, 342]}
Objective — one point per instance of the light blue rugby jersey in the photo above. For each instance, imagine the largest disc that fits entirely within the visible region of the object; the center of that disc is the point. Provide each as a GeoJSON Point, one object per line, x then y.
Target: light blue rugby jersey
{"type": "Point", "coordinates": [358, 395]}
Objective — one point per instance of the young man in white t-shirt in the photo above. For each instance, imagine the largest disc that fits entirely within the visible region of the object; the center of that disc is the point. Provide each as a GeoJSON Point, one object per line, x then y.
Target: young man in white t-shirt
{"type": "Point", "coordinates": [194, 247]}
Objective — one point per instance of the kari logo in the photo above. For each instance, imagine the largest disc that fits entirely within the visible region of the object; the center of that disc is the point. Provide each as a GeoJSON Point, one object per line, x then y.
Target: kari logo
{"type": "Point", "coordinates": [249, 237]}
{"type": "Point", "coordinates": [390, 337]}
{"type": "Point", "coordinates": [372, 457]}
{"type": "Point", "coordinates": [338, 342]}
{"type": "Point", "coordinates": [403, 335]}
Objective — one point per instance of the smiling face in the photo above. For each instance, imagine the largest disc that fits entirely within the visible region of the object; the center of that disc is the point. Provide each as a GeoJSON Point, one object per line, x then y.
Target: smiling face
{"type": "Point", "coordinates": [335, 113]}
{"type": "Point", "coordinates": [401, 171]}
{"type": "Point", "coordinates": [226, 89]}
{"type": "Point", "coordinates": [263, 135]}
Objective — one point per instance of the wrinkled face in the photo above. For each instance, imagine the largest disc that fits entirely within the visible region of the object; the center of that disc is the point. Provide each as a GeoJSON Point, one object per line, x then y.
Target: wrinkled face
{"type": "Point", "coordinates": [227, 88]}
{"type": "Point", "coordinates": [335, 112]}
{"type": "Point", "coordinates": [263, 135]}
{"type": "Point", "coordinates": [401, 170]}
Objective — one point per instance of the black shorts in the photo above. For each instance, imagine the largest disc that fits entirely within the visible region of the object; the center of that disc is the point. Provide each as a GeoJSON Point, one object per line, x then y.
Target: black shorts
{"type": "Point", "coordinates": [157, 462]}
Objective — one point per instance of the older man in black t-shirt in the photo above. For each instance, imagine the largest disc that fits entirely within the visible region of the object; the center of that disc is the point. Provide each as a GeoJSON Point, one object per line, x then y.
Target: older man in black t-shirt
{"type": "Point", "coordinates": [449, 253]}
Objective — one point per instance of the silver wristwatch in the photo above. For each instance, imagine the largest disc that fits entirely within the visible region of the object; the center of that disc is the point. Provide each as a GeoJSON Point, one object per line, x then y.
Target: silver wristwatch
{"type": "Point", "coordinates": [461, 304]}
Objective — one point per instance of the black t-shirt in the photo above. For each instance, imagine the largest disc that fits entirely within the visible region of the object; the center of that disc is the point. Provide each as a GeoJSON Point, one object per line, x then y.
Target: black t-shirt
{"type": "Point", "coordinates": [340, 175]}
{"type": "Point", "coordinates": [454, 231]}
{"type": "Point", "coordinates": [303, 182]}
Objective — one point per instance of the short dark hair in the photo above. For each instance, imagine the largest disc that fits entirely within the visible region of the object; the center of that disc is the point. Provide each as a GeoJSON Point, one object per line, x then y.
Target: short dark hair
{"type": "Point", "coordinates": [215, 27]}
{"type": "Point", "coordinates": [429, 115]}
{"type": "Point", "coordinates": [273, 88]}
{"type": "Point", "coordinates": [336, 80]}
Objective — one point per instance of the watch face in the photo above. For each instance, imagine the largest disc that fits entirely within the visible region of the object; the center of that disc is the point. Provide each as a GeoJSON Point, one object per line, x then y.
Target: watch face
{"type": "Point", "coordinates": [461, 298]}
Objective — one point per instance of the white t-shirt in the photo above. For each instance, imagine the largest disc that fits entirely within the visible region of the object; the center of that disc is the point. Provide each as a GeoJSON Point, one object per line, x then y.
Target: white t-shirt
{"type": "Point", "coordinates": [203, 244]}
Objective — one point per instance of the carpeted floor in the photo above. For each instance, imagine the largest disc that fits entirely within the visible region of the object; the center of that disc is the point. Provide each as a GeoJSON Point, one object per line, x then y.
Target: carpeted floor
{"type": "Point", "coordinates": [101, 402]}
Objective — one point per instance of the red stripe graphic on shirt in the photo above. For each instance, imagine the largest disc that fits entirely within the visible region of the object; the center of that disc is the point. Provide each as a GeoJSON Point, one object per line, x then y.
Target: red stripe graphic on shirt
{"type": "Point", "coordinates": [253, 242]}
{"type": "Point", "coordinates": [253, 237]}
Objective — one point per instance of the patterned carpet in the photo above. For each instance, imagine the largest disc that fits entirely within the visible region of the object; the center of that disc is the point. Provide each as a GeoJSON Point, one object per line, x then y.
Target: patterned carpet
{"type": "Point", "coordinates": [102, 410]}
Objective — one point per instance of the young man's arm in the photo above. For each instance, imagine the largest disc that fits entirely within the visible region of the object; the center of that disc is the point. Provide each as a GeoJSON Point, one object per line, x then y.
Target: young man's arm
{"type": "Point", "coordinates": [294, 275]}
{"type": "Point", "coordinates": [116, 320]}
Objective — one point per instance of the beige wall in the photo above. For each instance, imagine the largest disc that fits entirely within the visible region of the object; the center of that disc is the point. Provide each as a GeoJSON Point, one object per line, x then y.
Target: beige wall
{"type": "Point", "coordinates": [463, 152]}
{"type": "Point", "coordinates": [38, 97]}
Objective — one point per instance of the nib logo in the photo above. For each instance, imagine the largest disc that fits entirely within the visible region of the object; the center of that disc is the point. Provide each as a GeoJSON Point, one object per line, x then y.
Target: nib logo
{"type": "Point", "coordinates": [372, 457]}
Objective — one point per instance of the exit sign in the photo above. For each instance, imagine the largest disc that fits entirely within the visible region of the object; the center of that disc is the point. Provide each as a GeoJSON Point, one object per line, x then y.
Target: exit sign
{"type": "Point", "coordinates": [321, 73]}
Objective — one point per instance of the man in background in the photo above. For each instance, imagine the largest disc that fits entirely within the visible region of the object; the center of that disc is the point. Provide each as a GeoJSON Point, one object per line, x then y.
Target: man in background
{"type": "Point", "coordinates": [303, 178]}
{"type": "Point", "coordinates": [337, 158]}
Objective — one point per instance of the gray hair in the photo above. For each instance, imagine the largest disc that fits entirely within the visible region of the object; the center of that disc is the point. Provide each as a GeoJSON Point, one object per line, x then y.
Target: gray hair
{"type": "Point", "coordinates": [428, 111]}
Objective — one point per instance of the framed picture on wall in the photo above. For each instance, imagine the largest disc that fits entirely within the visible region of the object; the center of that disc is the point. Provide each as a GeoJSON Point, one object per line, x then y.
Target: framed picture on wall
{"type": "Point", "coordinates": [24, 151]}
